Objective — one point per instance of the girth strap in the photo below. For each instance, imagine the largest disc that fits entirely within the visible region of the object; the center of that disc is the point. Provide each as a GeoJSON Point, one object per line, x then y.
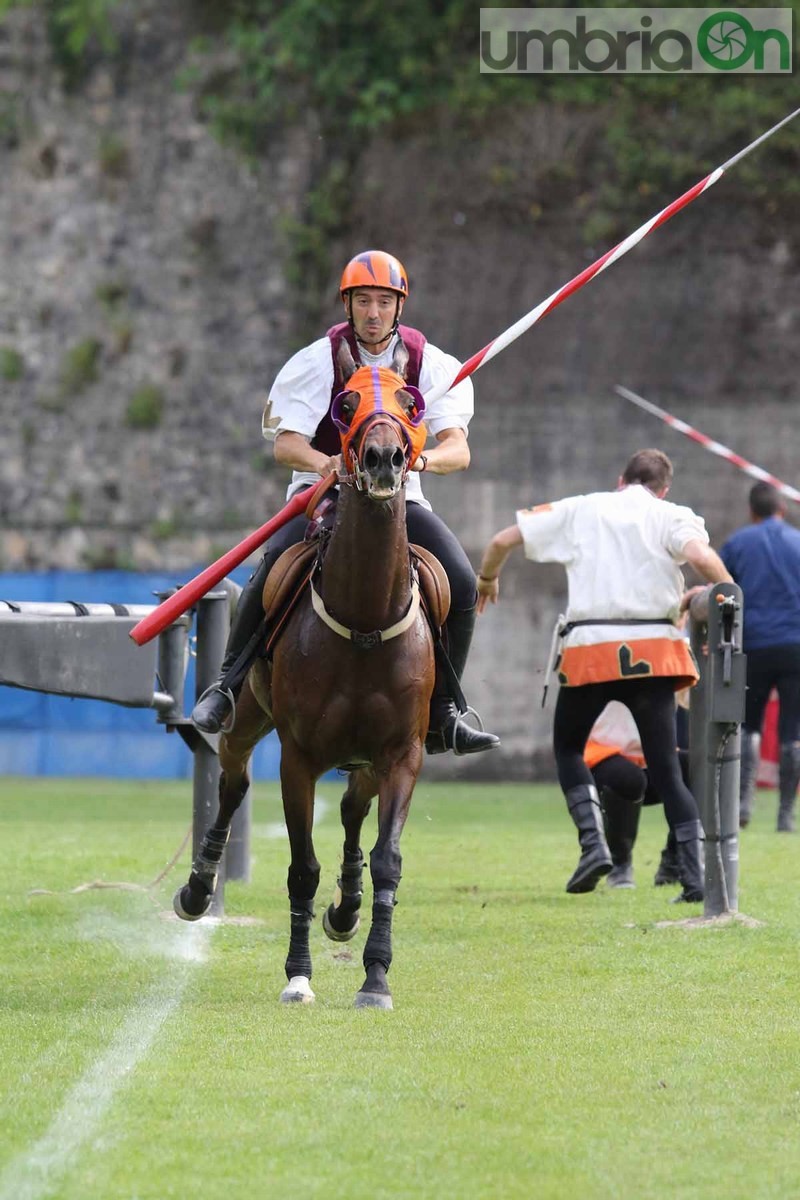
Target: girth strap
{"type": "Point", "coordinates": [365, 641]}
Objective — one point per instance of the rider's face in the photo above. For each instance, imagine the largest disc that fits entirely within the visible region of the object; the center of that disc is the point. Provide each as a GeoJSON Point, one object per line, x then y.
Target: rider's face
{"type": "Point", "coordinates": [373, 312]}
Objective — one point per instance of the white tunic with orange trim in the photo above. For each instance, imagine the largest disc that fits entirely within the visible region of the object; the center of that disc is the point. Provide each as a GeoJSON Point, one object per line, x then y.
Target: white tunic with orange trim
{"type": "Point", "coordinates": [622, 552]}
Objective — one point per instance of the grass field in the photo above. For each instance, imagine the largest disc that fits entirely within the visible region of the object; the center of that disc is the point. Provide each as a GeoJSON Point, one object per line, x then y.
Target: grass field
{"type": "Point", "coordinates": [542, 1045]}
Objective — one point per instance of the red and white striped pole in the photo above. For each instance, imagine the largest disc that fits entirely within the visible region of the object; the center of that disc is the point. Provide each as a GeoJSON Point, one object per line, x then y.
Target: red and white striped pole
{"type": "Point", "coordinates": [611, 256]}
{"type": "Point", "coordinates": [714, 447]}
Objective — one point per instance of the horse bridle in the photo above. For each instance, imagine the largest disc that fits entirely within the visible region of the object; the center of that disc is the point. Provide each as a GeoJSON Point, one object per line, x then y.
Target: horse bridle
{"type": "Point", "coordinates": [356, 475]}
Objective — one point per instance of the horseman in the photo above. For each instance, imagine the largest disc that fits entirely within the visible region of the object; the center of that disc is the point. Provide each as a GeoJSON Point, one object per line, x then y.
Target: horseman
{"type": "Point", "coordinates": [297, 420]}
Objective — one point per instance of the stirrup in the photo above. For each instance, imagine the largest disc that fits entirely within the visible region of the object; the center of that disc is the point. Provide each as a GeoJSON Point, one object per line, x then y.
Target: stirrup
{"type": "Point", "coordinates": [476, 715]}
{"type": "Point", "coordinates": [469, 710]}
{"type": "Point", "coordinates": [472, 733]}
{"type": "Point", "coordinates": [227, 725]}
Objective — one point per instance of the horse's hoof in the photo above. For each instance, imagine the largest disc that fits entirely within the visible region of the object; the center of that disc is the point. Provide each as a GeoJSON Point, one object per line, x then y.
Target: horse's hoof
{"type": "Point", "coordinates": [297, 991]}
{"type": "Point", "coordinates": [334, 934]}
{"type": "Point", "coordinates": [185, 904]}
{"type": "Point", "coordinates": [373, 1000]}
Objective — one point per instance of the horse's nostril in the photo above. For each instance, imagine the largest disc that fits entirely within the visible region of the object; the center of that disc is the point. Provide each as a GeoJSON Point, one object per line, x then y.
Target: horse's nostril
{"type": "Point", "coordinates": [398, 459]}
{"type": "Point", "coordinates": [372, 459]}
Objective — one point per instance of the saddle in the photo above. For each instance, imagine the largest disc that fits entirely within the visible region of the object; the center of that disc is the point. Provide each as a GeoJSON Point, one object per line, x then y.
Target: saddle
{"type": "Point", "coordinates": [292, 572]}
{"type": "Point", "coordinates": [433, 585]}
{"type": "Point", "coordinates": [284, 586]}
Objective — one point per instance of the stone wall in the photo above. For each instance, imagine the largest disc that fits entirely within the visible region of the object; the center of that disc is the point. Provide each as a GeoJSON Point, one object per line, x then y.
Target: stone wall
{"type": "Point", "coordinates": [126, 227]}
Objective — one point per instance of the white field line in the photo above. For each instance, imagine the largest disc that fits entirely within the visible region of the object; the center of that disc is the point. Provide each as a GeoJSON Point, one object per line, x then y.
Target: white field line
{"type": "Point", "coordinates": [36, 1172]}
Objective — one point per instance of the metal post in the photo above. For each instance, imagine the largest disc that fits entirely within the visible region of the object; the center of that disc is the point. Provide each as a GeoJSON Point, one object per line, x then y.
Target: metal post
{"type": "Point", "coordinates": [715, 716]}
{"type": "Point", "coordinates": [212, 634]}
{"type": "Point", "coordinates": [172, 647]}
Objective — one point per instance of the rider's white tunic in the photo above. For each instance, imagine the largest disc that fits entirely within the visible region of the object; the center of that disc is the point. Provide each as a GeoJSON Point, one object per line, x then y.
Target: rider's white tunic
{"type": "Point", "coordinates": [622, 552]}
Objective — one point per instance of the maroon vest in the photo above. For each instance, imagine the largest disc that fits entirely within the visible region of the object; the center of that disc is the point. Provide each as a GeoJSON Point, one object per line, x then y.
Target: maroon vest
{"type": "Point", "coordinates": [326, 439]}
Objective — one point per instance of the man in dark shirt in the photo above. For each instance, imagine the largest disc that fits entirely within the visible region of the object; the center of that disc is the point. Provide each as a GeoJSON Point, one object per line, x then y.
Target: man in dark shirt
{"type": "Point", "coordinates": [764, 559]}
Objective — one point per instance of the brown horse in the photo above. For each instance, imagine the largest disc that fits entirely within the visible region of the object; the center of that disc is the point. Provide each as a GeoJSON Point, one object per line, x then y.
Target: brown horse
{"type": "Point", "coordinates": [339, 699]}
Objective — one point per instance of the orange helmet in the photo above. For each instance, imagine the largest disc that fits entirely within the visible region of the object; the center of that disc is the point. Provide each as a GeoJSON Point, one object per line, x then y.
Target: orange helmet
{"type": "Point", "coordinates": [375, 268]}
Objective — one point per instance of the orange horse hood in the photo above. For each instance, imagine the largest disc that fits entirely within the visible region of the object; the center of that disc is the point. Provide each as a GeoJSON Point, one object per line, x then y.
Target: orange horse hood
{"type": "Point", "coordinates": [377, 388]}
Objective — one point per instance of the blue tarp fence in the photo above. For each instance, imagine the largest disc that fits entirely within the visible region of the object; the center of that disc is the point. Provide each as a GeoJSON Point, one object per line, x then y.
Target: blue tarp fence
{"type": "Point", "coordinates": [54, 735]}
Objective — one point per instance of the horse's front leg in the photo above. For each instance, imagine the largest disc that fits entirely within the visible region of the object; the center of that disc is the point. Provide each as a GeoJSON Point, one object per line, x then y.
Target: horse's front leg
{"type": "Point", "coordinates": [193, 900]}
{"type": "Point", "coordinates": [341, 918]}
{"type": "Point", "coordinates": [297, 786]}
{"type": "Point", "coordinates": [396, 785]}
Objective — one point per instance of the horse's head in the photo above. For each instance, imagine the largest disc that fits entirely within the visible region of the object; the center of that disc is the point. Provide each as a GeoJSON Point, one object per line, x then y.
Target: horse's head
{"type": "Point", "coordinates": [379, 418]}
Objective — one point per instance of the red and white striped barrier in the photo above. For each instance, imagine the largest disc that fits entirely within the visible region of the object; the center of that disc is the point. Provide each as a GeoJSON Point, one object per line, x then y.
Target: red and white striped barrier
{"type": "Point", "coordinates": [611, 256]}
{"type": "Point", "coordinates": [714, 447]}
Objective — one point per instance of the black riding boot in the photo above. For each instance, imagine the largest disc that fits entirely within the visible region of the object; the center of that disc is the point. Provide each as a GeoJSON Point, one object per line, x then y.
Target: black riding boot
{"type": "Point", "coordinates": [689, 846]}
{"type": "Point", "coordinates": [216, 705]}
{"type": "Point", "coordinates": [749, 755]}
{"type": "Point", "coordinates": [788, 779]}
{"type": "Point", "coordinates": [595, 860]}
{"type": "Point", "coordinates": [621, 822]}
{"type": "Point", "coordinates": [668, 870]}
{"type": "Point", "coordinates": [447, 731]}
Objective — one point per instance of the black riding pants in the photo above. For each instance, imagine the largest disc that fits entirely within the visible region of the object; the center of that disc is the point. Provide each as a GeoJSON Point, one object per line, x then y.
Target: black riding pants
{"type": "Point", "coordinates": [768, 668]}
{"type": "Point", "coordinates": [424, 529]}
{"type": "Point", "coordinates": [651, 703]}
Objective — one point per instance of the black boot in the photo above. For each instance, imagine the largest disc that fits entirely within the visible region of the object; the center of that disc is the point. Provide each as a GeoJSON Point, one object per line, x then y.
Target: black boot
{"type": "Point", "coordinates": [447, 730]}
{"type": "Point", "coordinates": [788, 779]}
{"type": "Point", "coordinates": [621, 823]}
{"type": "Point", "coordinates": [749, 755]}
{"type": "Point", "coordinates": [214, 710]}
{"type": "Point", "coordinates": [595, 860]}
{"type": "Point", "coordinates": [668, 871]}
{"type": "Point", "coordinates": [689, 846]}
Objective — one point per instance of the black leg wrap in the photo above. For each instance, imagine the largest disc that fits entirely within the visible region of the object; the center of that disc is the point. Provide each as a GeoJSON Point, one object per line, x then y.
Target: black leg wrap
{"type": "Point", "coordinates": [350, 880]}
{"type": "Point", "coordinates": [298, 960]}
{"type": "Point", "coordinates": [205, 868]}
{"type": "Point", "coordinates": [378, 948]}
{"type": "Point", "coordinates": [342, 915]}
